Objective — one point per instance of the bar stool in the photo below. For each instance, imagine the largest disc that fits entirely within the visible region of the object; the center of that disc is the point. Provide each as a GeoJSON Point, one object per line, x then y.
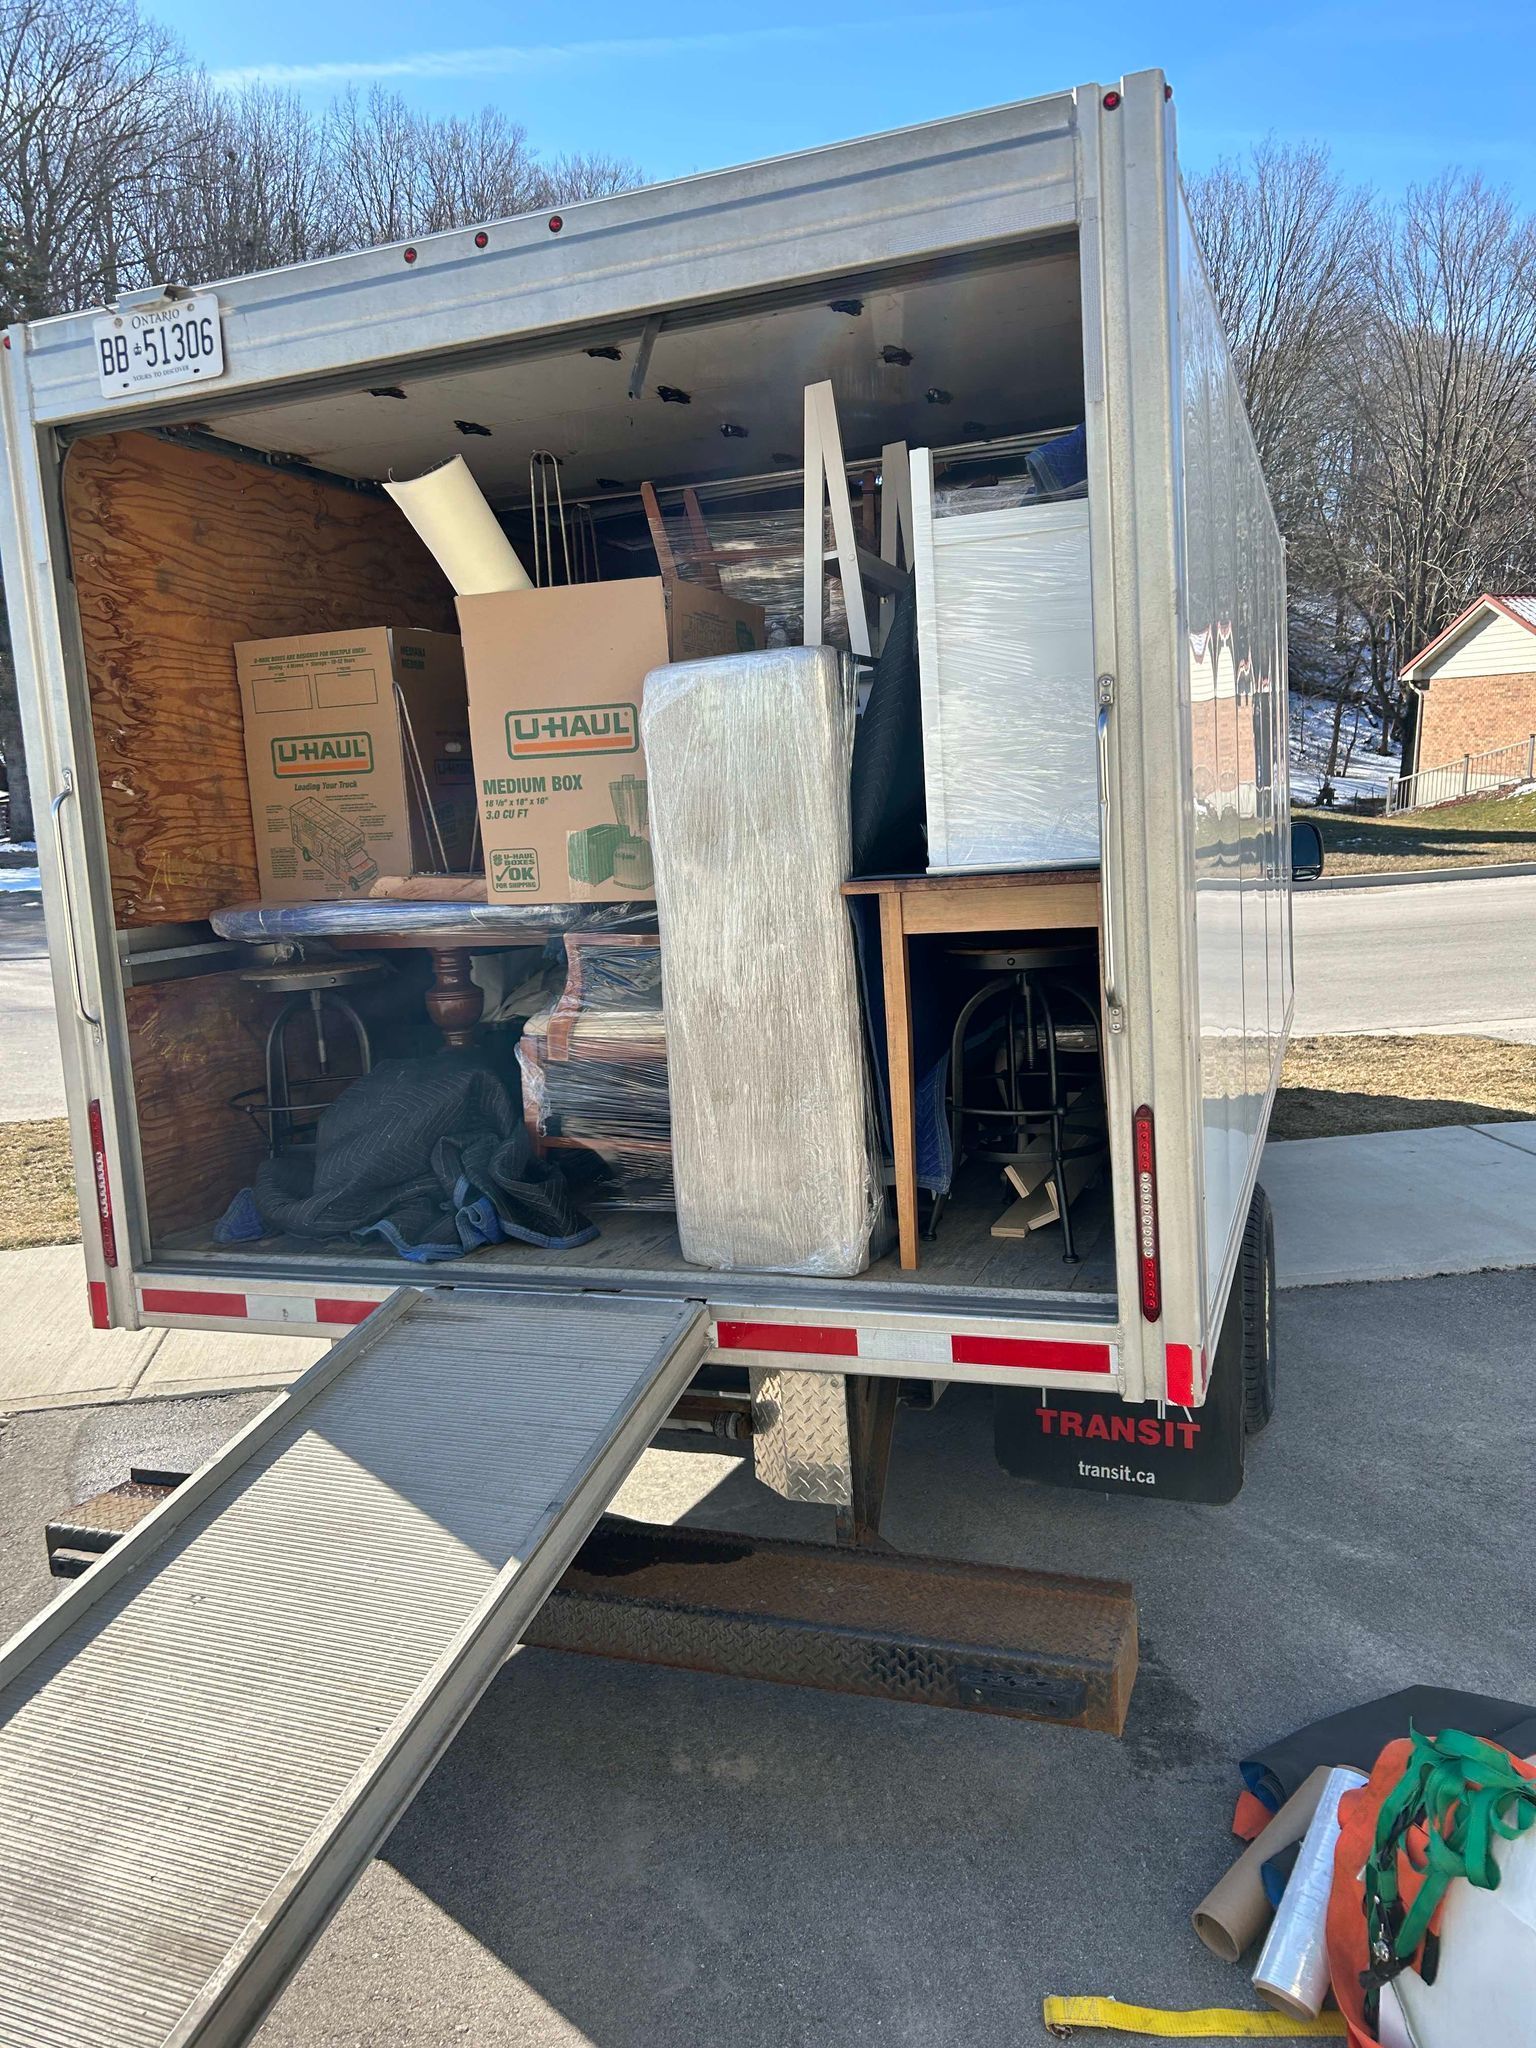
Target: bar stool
{"type": "Point", "coordinates": [312, 988]}
{"type": "Point", "coordinates": [1028, 985]}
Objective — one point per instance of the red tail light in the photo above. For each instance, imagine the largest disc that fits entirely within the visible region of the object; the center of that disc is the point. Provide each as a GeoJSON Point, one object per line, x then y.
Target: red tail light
{"type": "Point", "coordinates": [103, 1186]}
{"type": "Point", "coordinates": [1149, 1262]}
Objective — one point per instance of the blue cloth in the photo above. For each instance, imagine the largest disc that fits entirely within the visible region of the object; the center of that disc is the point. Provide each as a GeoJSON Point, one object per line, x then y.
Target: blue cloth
{"type": "Point", "coordinates": [240, 1222]}
{"type": "Point", "coordinates": [1060, 465]}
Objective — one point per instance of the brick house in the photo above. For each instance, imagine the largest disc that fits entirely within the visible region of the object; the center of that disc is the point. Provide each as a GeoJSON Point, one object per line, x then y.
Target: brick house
{"type": "Point", "coordinates": [1474, 686]}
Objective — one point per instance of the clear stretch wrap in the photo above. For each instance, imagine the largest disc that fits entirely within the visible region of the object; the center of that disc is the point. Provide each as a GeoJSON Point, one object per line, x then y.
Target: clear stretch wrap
{"type": "Point", "coordinates": [1005, 653]}
{"type": "Point", "coordinates": [772, 1130]}
{"type": "Point", "coordinates": [594, 1068]}
{"type": "Point", "coordinates": [447, 924]}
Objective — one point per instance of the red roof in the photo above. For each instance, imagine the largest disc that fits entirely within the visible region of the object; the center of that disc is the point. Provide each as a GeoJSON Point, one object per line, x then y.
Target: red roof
{"type": "Point", "coordinates": [1521, 609]}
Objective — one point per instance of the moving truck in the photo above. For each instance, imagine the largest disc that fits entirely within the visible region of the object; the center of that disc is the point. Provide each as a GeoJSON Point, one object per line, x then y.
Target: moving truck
{"type": "Point", "coordinates": [187, 471]}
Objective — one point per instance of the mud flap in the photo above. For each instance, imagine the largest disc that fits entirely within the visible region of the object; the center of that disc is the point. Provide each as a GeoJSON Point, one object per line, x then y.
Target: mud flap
{"type": "Point", "coordinates": [1108, 1446]}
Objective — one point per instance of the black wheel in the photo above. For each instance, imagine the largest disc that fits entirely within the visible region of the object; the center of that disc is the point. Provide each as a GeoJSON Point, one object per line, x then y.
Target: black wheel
{"type": "Point", "coordinates": [1255, 1285]}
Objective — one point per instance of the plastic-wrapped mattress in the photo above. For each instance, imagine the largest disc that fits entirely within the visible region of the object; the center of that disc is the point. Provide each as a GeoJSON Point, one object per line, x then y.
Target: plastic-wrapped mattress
{"type": "Point", "coordinates": [748, 758]}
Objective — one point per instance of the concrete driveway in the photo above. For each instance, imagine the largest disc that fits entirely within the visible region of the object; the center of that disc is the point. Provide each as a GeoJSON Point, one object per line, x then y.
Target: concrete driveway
{"type": "Point", "coordinates": [31, 1077]}
{"type": "Point", "coordinates": [626, 1857]}
{"type": "Point", "coordinates": [1419, 956]}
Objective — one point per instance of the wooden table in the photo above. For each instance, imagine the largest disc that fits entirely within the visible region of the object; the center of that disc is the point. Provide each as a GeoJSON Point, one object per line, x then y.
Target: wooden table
{"type": "Point", "coordinates": [1056, 900]}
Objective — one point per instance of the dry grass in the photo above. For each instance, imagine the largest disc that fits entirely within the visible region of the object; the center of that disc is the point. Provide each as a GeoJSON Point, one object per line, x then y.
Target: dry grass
{"type": "Point", "coordinates": [1335, 1087]}
{"type": "Point", "coordinates": [37, 1186]}
{"type": "Point", "coordinates": [1479, 834]}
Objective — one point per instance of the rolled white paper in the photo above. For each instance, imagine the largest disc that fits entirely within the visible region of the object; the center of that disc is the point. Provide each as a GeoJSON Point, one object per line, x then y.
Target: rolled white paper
{"type": "Point", "coordinates": [1293, 1963]}
{"type": "Point", "coordinates": [448, 510]}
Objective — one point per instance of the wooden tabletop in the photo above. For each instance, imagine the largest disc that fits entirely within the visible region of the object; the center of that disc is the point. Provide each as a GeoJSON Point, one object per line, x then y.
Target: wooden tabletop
{"type": "Point", "coordinates": [916, 885]}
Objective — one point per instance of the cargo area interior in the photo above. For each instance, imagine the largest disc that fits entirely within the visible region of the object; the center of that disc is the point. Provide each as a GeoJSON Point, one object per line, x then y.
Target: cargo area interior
{"type": "Point", "coordinates": [261, 522]}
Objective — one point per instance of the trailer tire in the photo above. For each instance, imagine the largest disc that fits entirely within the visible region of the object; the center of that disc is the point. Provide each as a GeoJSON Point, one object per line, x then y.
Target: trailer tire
{"type": "Point", "coordinates": [1256, 1286]}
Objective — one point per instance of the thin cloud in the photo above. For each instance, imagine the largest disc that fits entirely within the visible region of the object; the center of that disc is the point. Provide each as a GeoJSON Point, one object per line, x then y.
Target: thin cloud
{"type": "Point", "coordinates": [507, 60]}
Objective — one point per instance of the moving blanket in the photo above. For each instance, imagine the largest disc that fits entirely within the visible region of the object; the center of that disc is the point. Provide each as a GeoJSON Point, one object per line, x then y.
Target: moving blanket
{"type": "Point", "coordinates": [748, 758]}
{"type": "Point", "coordinates": [428, 1154]}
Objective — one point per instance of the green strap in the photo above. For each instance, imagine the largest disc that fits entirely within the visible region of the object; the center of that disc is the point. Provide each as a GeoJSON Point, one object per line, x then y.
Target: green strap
{"type": "Point", "coordinates": [1467, 1793]}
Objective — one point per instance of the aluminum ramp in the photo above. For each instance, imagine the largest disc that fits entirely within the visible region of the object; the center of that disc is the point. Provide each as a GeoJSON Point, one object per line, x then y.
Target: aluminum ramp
{"type": "Point", "coordinates": [204, 1740]}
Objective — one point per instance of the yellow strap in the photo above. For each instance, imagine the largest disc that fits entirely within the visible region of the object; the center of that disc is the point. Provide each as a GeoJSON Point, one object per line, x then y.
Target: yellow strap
{"type": "Point", "coordinates": [1213, 2023]}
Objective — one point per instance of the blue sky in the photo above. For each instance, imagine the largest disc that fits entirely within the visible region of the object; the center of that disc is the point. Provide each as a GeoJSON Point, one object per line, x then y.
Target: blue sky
{"type": "Point", "coordinates": [1399, 90]}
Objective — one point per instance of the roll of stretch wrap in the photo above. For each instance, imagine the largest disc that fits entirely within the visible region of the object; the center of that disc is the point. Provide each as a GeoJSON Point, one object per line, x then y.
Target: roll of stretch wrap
{"type": "Point", "coordinates": [1235, 1911]}
{"type": "Point", "coordinates": [448, 510]}
{"type": "Point", "coordinates": [1293, 1963]}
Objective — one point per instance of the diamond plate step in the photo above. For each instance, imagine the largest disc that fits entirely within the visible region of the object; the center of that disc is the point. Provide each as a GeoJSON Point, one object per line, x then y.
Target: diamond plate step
{"type": "Point", "coordinates": [1036, 1646]}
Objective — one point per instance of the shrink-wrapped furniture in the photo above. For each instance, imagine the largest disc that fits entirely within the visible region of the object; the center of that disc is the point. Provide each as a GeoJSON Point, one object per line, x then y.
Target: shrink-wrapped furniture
{"type": "Point", "coordinates": [771, 1127]}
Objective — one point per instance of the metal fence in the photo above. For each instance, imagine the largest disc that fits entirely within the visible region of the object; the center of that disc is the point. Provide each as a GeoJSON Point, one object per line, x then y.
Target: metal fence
{"type": "Point", "coordinates": [1473, 775]}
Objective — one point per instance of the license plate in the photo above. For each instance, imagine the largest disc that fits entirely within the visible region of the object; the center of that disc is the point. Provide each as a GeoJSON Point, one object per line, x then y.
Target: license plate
{"type": "Point", "coordinates": [148, 348]}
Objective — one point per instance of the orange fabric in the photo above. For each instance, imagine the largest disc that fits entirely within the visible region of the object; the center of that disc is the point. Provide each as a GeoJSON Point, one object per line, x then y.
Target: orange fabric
{"type": "Point", "coordinates": [1348, 1953]}
{"type": "Point", "coordinates": [1250, 1817]}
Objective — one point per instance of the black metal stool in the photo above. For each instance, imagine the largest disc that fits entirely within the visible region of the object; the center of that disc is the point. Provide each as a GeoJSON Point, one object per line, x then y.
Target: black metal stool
{"type": "Point", "coordinates": [311, 987]}
{"type": "Point", "coordinates": [1027, 983]}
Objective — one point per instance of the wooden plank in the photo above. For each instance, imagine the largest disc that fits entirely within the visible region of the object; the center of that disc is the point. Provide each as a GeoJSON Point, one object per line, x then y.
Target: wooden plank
{"type": "Point", "coordinates": [1021, 908]}
{"type": "Point", "coordinates": [194, 1044]}
{"type": "Point", "coordinates": [923, 885]}
{"type": "Point", "coordinates": [659, 541]}
{"type": "Point", "coordinates": [178, 552]}
{"type": "Point", "coordinates": [1040, 1207]}
{"type": "Point", "coordinates": [898, 1058]}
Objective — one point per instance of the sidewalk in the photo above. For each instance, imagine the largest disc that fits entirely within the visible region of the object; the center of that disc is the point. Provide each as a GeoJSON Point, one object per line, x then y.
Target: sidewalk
{"type": "Point", "coordinates": [1397, 1205]}
{"type": "Point", "coordinates": [50, 1357]}
{"type": "Point", "coordinates": [1403, 1205]}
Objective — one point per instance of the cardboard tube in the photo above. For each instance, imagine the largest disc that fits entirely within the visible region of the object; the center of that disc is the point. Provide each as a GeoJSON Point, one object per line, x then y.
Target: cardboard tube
{"type": "Point", "coordinates": [448, 509]}
{"type": "Point", "coordinates": [1293, 1963]}
{"type": "Point", "coordinates": [1235, 1911]}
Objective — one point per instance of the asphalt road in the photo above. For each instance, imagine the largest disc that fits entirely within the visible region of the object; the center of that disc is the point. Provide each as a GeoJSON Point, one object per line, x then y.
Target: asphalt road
{"type": "Point", "coordinates": [626, 1857]}
{"type": "Point", "coordinates": [31, 1078]}
{"type": "Point", "coordinates": [1423, 956]}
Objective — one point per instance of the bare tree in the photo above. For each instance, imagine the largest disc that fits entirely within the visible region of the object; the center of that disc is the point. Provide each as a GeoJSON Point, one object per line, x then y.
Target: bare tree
{"type": "Point", "coordinates": [82, 109]}
{"type": "Point", "coordinates": [1443, 382]}
{"type": "Point", "coordinates": [397, 172]}
{"type": "Point", "coordinates": [244, 186]}
{"type": "Point", "coordinates": [1282, 236]}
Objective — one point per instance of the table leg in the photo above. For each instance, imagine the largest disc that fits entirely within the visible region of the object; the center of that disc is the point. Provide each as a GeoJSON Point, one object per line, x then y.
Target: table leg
{"type": "Point", "coordinates": [455, 1000]}
{"type": "Point", "coordinates": [898, 1059]}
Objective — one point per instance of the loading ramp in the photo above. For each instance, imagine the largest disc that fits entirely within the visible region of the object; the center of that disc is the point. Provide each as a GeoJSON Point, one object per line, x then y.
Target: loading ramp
{"type": "Point", "coordinates": [205, 1739]}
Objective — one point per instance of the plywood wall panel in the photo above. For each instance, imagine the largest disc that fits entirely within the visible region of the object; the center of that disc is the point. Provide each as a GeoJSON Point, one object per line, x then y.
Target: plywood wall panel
{"type": "Point", "coordinates": [178, 552]}
{"type": "Point", "coordinates": [194, 1044]}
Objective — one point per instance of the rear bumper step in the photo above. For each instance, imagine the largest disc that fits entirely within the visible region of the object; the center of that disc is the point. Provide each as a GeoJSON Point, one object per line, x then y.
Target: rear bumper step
{"type": "Point", "coordinates": [1034, 1645]}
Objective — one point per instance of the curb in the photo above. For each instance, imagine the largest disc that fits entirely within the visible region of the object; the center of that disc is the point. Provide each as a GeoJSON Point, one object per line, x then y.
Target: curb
{"type": "Point", "coordinates": [1398, 877]}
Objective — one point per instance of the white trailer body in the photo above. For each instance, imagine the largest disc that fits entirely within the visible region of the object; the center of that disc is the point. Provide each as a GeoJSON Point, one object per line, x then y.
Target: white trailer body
{"type": "Point", "coordinates": [466, 1438]}
{"type": "Point", "coordinates": [1189, 646]}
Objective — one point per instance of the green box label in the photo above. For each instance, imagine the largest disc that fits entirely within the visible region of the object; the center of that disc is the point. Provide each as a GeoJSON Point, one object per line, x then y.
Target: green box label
{"type": "Point", "coordinates": [517, 869]}
{"type": "Point", "coordinates": [573, 729]}
{"type": "Point", "coordinates": [323, 753]}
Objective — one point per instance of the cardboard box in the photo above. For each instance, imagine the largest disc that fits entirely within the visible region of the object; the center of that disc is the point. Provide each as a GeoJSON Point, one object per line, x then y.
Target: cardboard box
{"type": "Point", "coordinates": [555, 683]}
{"type": "Point", "coordinates": [336, 785]}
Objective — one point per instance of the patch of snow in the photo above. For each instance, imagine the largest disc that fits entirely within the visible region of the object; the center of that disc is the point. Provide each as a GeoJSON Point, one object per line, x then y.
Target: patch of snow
{"type": "Point", "coordinates": [1371, 765]}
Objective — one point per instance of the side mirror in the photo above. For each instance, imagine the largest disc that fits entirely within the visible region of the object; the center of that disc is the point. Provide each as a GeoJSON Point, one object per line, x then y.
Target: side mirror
{"type": "Point", "coordinates": [1306, 851]}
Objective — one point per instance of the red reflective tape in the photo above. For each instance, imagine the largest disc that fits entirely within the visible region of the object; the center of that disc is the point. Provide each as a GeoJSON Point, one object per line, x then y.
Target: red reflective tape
{"type": "Point", "coordinates": [817, 1338]}
{"type": "Point", "coordinates": [1179, 1371]}
{"type": "Point", "coordinates": [330, 1308]}
{"type": "Point", "coordinates": [101, 1314]}
{"type": "Point", "coordinates": [1039, 1354]}
{"type": "Point", "coordinates": [191, 1301]}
